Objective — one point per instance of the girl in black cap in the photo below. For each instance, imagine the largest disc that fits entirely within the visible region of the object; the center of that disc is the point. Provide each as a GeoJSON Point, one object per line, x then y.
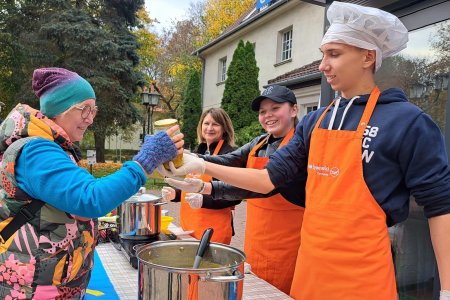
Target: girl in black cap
{"type": "Point", "coordinates": [272, 235]}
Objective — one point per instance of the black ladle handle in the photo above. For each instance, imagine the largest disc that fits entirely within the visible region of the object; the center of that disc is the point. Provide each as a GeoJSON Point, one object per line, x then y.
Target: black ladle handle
{"type": "Point", "coordinates": [204, 243]}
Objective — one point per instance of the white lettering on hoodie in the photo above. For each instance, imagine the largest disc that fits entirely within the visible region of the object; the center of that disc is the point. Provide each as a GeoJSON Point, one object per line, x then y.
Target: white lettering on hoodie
{"type": "Point", "coordinates": [369, 133]}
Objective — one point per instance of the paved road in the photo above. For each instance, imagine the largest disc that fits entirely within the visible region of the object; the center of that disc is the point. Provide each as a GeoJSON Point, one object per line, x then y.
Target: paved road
{"type": "Point", "coordinates": [239, 221]}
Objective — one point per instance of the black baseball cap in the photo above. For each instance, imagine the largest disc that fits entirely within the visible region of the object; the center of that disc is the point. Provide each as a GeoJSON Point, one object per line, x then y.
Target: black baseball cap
{"type": "Point", "coordinates": [275, 93]}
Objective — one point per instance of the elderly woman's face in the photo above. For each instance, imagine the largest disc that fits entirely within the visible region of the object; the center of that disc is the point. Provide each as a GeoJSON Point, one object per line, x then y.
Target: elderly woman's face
{"type": "Point", "coordinates": [77, 119]}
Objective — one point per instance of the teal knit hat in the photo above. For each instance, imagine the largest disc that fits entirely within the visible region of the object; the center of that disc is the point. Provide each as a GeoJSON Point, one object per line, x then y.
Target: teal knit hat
{"type": "Point", "coordinates": [58, 89]}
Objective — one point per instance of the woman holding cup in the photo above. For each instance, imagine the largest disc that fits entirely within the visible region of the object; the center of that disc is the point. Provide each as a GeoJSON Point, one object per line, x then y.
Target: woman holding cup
{"type": "Point", "coordinates": [198, 212]}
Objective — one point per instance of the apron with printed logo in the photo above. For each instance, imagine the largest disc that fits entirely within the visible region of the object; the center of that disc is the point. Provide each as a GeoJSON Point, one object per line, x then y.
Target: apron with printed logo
{"type": "Point", "coordinates": [345, 252]}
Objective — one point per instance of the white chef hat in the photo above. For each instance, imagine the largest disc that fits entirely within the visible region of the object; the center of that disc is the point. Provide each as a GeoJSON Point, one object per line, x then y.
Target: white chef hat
{"type": "Point", "coordinates": [367, 28]}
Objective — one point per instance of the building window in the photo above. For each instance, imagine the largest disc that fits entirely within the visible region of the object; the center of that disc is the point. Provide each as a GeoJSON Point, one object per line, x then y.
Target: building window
{"type": "Point", "coordinates": [310, 108]}
{"type": "Point", "coordinates": [222, 69]}
{"type": "Point", "coordinates": [286, 45]}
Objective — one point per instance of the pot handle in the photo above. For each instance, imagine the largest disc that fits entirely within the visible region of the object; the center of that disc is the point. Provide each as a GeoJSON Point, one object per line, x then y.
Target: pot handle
{"type": "Point", "coordinates": [137, 247]}
{"type": "Point", "coordinates": [237, 276]}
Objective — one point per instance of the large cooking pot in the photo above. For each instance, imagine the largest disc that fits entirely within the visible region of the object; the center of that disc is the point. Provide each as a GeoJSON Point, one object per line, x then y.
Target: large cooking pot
{"type": "Point", "coordinates": [165, 272]}
{"type": "Point", "coordinates": [140, 217]}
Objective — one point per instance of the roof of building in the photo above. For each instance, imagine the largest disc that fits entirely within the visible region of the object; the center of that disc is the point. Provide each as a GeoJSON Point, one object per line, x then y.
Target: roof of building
{"type": "Point", "coordinates": [303, 73]}
{"type": "Point", "coordinates": [244, 20]}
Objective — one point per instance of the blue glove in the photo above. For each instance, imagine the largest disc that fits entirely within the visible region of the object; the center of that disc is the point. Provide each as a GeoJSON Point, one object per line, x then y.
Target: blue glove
{"type": "Point", "coordinates": [156, 150]}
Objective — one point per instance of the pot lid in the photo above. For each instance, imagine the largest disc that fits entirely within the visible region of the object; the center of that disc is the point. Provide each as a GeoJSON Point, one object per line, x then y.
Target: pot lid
{"type": "Point", "coordinates": [143, 198]}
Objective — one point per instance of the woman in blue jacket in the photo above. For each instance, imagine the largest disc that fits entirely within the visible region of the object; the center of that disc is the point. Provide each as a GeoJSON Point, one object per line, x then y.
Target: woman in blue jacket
{"type": "Point", "coordinates": [48, 203]}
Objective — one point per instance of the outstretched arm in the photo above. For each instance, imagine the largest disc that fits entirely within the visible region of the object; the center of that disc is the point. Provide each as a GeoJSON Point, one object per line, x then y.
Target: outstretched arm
{"type": "Point", "coordinates": [250, 179]}
{"type": "Point", "coordinates": [439, 229]}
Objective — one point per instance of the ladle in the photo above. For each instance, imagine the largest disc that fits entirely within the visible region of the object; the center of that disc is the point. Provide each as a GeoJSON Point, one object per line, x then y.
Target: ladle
{"type": "Point", "coordinates": [204, 243]}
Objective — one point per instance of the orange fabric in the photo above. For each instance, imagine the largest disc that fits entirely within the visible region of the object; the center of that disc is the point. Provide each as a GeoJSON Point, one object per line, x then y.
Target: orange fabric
{"type": "Point", "coordinates": [202, 218]}
{"type": "Point", "coordinates": [345, 251]}
{"type": "Point", "coordinates": [272, 235]}
{"type": "Point", "coordinates": [193, 287]}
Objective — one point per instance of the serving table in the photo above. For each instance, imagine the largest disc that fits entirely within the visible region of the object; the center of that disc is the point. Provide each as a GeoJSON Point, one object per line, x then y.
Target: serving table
{"type": "Point", "coordinates": [124, 277]}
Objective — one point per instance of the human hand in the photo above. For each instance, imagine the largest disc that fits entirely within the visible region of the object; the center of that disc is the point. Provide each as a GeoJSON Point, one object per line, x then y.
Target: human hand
{"type": "Point", "coordinates": [191, 164]}
{"type": "Point", "coordinates": [444, 295]}
{"type": "Point", "coordinates": [177, 138]}
{"type": "Point", "coordinates": [155, 150]}
{"type": "Point", "coordinates": [168, 194]}
{"type": "Point", "coordinates": [195, 200]}
{"type": "Point", "coordinates": [186, 151]}
{"type": "Point", "coordinates": [190, 185]}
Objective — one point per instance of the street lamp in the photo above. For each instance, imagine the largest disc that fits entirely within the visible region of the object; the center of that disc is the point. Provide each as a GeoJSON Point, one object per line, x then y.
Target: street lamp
{"type": "Point", "coordinates": [149, 100]}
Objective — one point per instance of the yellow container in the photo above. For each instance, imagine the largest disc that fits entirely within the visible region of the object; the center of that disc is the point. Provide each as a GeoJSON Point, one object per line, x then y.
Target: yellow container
{"type": "Point", "coordinates": [163, 125]}
{"type": "Point", "coordinates": [165, 222]}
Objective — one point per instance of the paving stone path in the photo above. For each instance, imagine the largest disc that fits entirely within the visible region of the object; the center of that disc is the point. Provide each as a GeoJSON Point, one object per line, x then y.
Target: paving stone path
{"type": "Point", "coordinates": [239, 220]}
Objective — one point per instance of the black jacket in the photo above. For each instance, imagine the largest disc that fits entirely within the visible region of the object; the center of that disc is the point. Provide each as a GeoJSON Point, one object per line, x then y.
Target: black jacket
{"type": "Point", "coordinates": [209, 201]}
{"type": "Point", "coordinates": [294, 192]}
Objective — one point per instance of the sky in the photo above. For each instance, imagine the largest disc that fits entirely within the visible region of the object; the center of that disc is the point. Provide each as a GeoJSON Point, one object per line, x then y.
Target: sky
{"type": "Point", "coordinates": [167, 10]}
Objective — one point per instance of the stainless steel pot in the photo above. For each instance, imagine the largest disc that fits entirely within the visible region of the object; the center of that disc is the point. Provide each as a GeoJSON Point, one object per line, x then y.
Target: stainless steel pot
{"type": "Point", "coordinates": [140, 217]}
{"type": "Point", "coordinates": [165, 272]}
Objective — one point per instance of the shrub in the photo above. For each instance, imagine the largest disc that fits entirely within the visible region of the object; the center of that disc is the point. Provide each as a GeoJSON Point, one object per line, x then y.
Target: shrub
{"type": "Point", "coordinates": [105, 169]}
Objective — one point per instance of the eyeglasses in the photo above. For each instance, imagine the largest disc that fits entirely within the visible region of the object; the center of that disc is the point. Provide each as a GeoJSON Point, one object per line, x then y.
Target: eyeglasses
{"type": "Point", "coordinates": [86, 110]}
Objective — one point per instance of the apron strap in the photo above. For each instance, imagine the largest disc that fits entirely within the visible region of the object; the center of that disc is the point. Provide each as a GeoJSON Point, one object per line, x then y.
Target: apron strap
{"type": "Point", "coordinates": [370, 107]}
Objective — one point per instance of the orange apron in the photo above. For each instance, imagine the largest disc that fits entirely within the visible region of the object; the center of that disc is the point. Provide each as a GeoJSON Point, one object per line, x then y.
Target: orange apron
{"type": "Point", "coordinates": [202, 218]}
{"type": "Point", "coordinates": [272, 234]}
{"type": "Point", "coordinates": [345, 252]}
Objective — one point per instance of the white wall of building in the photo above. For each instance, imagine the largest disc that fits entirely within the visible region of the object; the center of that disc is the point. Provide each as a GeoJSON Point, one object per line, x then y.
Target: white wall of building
{"type": "Point", "coordinates": [118, 141]}
{"type": "Point", "coordinates": [307, 24]}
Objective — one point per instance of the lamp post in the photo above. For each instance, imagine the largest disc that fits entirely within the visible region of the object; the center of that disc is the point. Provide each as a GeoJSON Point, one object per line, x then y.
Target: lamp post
{"type": "Point", "coordinates": [149, 100]}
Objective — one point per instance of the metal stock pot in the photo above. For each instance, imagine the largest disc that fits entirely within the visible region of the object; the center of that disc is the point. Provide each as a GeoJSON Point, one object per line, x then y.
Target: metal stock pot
{"type": "Point", "coordinates": [165, 272]}
{"type": "Point", "coordinates": [140, 217]}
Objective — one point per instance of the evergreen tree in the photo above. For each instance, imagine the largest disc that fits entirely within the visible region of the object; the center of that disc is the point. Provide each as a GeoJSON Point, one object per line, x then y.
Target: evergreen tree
{"type": "Point", "coordinates": [92, 38]}
{"type": "Point", "coordinates": [191, 109]}
{"type": "Point", "coordinates": [241, 87]}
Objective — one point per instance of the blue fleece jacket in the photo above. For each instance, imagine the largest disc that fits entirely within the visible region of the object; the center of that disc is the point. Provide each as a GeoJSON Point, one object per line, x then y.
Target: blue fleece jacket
{"type": "Point", "coordinates": [403, 154]}
{"type": "Point", "coordinates": [44, 171]}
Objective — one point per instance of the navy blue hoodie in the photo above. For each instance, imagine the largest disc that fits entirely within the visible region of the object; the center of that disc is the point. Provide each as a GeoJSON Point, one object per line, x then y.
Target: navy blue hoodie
{"type": "Point", "coordinates": [403, 154]}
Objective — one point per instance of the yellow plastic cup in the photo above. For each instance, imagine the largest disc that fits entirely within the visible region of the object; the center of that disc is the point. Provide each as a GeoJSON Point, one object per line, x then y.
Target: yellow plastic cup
{"type": "Point", "coordinates": [163, 125]}
{"type": "Point", "coordinates": [165, 222]}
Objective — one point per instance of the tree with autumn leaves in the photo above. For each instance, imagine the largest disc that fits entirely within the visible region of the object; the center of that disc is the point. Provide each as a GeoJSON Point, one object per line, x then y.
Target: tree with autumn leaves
{"type": "Point", "coordinates": [221, 14]}
{"type": "Point", "coordinates": [175, 65]}
{"type": "Point", "coordinates": [111, 44]}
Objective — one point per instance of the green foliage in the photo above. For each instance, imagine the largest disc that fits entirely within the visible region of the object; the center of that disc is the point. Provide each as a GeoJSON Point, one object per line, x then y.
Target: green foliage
{"type": "Point", "coordinates": [241, 86]}
{"type": "Point", "coordinates": [191, 109]}
{"type": "Point", "coordinates": [154, 183]}
{"type": "Point", "coordinates": [248, 133]}
{"type": "Point", "coordinates": [92, 38]}
{"type": "Point", "coordinates": [88, 141]}
{"type": "Point", "coordinates": [104, 169]}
